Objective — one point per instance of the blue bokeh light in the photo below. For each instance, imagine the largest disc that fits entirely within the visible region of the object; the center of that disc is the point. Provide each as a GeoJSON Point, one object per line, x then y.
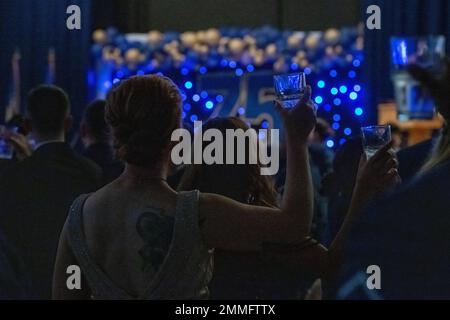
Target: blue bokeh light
{"type": "Point", "coordinates": [184, 71]}
{"type": "Point", "coordinates": [335, 126]}
{"type": "Point", "coordinates": [188, 85]}
{"type": "Point", "coordinates": [337, 102]}
{"type": "Point", "coordinates": [337, 117]}
{"type": "Point", "coordinates": [204, 94]}
{"type": "Point", "coordinates": [194, 117]}
{"type": "Point", "coordinates": [196, 97]}
{"type": "Point", "coordinates": [343, 89]}
{"type": "Point", "coordinates": [330, 143]}
{"type": "Point", "coordinates": [347, 131]}
{"type": "Point", "coordinates": [250, 68]}
{"type": "Point", "coordinates": [359, 111]}
{"type": "Point", "coordinates": [219, 98]}
{"type": "Point", "coordinates": [353, 95]}
{"type": "Point", "coordinates": [239, 72]}
{"type": "Point", "coordinates": [334, 91]}
{"type": "Point", "coordinates": [321, 84]}
{"type": "Point", "coordinates": [318, 99]}
{"type": "Point", "coordinates": [333, 73]}
{"type": "Point", "coordinates": [209, 105]}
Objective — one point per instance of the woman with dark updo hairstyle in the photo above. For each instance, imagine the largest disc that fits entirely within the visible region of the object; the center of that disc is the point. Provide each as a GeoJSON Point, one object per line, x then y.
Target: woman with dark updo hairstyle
{"type": "Point", "coordinates": [137, 238]}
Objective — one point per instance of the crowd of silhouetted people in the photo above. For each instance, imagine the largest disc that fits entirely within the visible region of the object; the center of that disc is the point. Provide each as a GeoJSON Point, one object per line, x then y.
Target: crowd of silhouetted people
{"type": "Point", "coordinates": [139, 227]}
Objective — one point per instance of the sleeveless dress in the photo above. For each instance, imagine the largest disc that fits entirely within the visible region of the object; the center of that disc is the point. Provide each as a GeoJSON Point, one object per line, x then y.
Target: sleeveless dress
{"type": "Point", "coordinates": [185, 271]}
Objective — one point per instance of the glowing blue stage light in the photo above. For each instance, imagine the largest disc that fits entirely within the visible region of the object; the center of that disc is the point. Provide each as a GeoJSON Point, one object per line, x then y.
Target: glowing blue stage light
{"type": "Point", "coordinates": [330, 143]}
{"type": "Point", "coordinates": [209, 105]}
{"type": "Point", "coordinates": [353, 95]}
{"type": "Point", "coordinates": [337, 101]}
{"type": "Point", "coordinates": [196, 97]}
{"type": "Point", "coordinates": [241, 110]}
{"type": "Point", "coordinates": [336, 126]}
{"type": "Point", "coordinates": [184, 71]}
{"type": "Point", "coordinates": [188, 85]}
{"type": "Point", "coordinates": [320, 84]}
{"type": "Point", "coordinates": [294, 66]}
{"type": "Point", "coordinates": [187, 107]}
{"type": "Point", "coordinates": [116, 80]}
{"type": "Point", "coordinates": [327, 107]}
{"type": "Point", "coordinates": [357, 88]}
{"type": "Point", "coordinates": [343, 89]}
{"type": "Point", "coordinates": [342, 141]}
{"type": "Point", "coordinates": [239, 72]}
{"type": "Point", "coordinates": [307, 70]}
{"type": "Point", "coordinates": [194, 118]}
{"type": "Point", "coordinates": [183, 115]}
{"type": "Point", "coordinates": [333, 73]}
{"type": "Point", "coordinates": [334, 91]}
{"type": "Point", "coordinates": [337, 117]}
{"type": "Point", "coordinates": [352, 74]}
{"type": "Point", "coordinates": [347, 131]}
{"type": "Point", "coordinates": [359, 111]}
{"type": "Point", "coordinates": [250, 68]}
{"type": "Point", "coordinates": [265, 125]}
{"type": "Point", "coordinates": [232, 64]}
{"type": "Point", "coordinates": [204, 94]}
{"type": "Point", "coordinates": [356, 63]}
{"type": "Point", "coordinates": [223, 63]}
{"type": "Point", "coordinates": [318, 99]}
{"type": "Point", "coordinates": [219, 98]}
{"type": "Point", "coordinates": [202, 70]}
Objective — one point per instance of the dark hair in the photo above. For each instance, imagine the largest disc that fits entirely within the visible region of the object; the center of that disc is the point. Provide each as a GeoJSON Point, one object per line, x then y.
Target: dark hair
{"type": "Point", "coordinates": [94, 119]}
{"type": "Point", "coordinates": [48, 106]}
{"type": "Point", "coordinates": [143, 111]}
{"type": "Point", "coordinates": [241, 182]}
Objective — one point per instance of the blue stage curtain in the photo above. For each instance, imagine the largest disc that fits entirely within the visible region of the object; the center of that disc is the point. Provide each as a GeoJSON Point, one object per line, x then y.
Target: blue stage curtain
{"type": "Point", "coordinates": [35, 26]}
{"type": "Point", "coordinates": [398, 17]}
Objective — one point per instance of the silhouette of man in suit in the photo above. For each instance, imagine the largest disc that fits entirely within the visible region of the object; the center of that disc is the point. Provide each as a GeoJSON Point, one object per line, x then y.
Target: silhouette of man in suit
{"type": "Point", "coordinates": [36, 193]}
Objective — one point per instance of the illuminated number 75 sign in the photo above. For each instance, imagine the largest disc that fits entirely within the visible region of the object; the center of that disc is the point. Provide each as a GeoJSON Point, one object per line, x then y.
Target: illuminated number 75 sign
{"type": "Point", "coordinates": [250, 96]}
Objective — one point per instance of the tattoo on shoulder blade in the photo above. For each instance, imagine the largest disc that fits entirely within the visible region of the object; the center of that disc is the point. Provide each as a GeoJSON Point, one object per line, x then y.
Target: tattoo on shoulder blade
{"type": "Point", "coordinates": [156, 229]}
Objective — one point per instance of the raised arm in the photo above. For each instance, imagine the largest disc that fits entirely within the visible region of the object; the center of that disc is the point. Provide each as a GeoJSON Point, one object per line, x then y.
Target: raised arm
{"type": "Point", "coordinates": [376, 175]}
{"type": "Point", "coordinates": [228, 224]}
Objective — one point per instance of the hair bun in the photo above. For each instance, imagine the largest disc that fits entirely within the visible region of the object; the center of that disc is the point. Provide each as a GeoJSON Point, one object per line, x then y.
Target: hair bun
{"type": "Point", "coordinates": [143, 111]}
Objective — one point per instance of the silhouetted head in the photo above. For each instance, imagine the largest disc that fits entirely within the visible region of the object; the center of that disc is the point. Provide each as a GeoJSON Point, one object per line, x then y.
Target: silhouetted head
{"type": "Point", "coordinates": [48, 112]}
{"type": "Point", "coordinates": [143, 111]}
{"type": "Point", "coordinates": [93, 127]}
{"type": "Point", "coordinates": [241, 182]}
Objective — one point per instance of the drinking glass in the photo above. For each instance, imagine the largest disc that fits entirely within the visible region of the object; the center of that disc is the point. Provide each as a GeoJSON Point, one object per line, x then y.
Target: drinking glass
{"type": "Point", "coordinates": [374, 138]}
{"type": "Point", "coordinates": [289, 88]}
